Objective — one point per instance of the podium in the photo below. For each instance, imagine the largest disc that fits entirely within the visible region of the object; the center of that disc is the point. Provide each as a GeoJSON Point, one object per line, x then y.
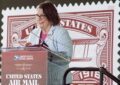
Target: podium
{"type": "Point", "coordinates": [24, 66]}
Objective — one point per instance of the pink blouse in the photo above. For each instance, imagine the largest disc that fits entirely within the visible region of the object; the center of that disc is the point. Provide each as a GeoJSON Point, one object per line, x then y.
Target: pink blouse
{"type": "Point", "coordinates": [43, 36]}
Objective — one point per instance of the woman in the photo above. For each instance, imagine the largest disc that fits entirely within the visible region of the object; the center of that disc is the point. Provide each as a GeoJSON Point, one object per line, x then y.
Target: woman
{"type": "Point", "coordinates": [57, 40]}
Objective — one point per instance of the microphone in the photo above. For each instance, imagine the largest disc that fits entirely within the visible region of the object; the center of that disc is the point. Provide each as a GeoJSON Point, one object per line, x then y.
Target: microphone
{"type": "Point", "coordinates": [33, 28]}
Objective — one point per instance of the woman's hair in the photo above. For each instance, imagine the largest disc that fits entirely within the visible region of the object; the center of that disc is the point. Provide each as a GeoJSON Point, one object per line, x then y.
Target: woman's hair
{"type": "Point", "coordinates": [50, 12]}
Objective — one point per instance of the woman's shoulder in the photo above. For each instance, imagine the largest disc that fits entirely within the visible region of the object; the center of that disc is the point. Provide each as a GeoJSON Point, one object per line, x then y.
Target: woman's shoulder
{"type": "Point", "coordinates": [36, 30]}
{"type": "Point", "coordinates": [60, 28]}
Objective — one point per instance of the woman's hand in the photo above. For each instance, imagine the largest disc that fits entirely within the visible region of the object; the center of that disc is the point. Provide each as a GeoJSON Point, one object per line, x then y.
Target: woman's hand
{"type": "Point", "coordinates": [28, 44]}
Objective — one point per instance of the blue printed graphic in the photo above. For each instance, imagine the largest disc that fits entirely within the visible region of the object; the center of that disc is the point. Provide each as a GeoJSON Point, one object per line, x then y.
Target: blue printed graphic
{"type": "Point", "coordinates": [16, 57]}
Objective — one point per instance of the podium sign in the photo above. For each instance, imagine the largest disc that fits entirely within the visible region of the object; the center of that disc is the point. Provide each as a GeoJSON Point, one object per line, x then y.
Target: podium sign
{"type": "Point", "coordinates": [24, 67]}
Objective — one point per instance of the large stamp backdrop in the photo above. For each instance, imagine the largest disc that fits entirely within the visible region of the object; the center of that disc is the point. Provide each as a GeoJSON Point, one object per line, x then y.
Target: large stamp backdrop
{"type": "Point", "coordinates": [93, 29]}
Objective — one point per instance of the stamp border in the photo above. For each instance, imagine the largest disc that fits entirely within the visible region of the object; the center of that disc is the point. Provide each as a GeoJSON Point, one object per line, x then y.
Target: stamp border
{"type": "Point", "coordinates": [59, 7]}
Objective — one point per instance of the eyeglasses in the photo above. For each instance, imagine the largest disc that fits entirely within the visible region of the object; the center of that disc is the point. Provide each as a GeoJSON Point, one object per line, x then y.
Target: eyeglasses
{"type": "Point", "coordinates": [40, 16]}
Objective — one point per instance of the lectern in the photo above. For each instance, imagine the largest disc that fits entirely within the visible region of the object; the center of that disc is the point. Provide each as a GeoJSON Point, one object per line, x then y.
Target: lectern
{"type": "Point", "coordinates": [24, 66]}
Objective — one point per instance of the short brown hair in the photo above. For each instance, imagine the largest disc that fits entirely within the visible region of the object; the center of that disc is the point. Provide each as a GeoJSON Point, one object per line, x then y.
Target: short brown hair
{"type": "Point", "coordinates": [50, 12]}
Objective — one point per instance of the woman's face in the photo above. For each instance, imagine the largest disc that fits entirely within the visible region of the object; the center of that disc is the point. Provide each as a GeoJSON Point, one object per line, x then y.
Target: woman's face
{"type": "Point", "coordinates": [41, 19]}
